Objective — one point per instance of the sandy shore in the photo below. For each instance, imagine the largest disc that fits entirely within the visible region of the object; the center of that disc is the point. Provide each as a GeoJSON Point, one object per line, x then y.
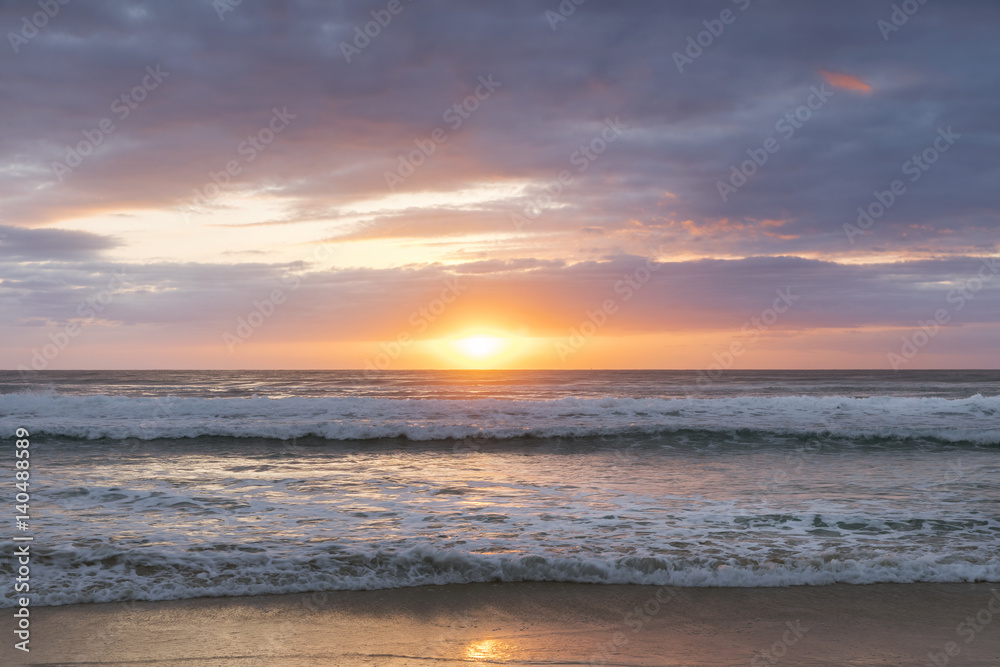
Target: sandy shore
{"type": "Point", "coordinates": [533, 624]}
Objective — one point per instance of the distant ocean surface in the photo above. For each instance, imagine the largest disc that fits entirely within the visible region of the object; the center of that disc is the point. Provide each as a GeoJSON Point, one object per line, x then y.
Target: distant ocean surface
{"type": "Point", "coordinates": [164, 484]}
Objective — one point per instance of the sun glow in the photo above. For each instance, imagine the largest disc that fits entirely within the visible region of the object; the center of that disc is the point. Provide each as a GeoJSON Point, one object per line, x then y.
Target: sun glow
{"type": "Point", "coordinates": [492, 650]}
{"type": "Point", "coordinates": [481, 347]}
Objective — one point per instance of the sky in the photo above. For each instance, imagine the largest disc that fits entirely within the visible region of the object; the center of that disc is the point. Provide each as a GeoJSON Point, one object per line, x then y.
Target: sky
{"type": "Point", "coordinates": [406, 184]}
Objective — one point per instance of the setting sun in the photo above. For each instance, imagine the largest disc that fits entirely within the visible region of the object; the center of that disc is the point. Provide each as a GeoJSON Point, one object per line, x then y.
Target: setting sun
{"type": "Point", "coordinates": [481, 347]}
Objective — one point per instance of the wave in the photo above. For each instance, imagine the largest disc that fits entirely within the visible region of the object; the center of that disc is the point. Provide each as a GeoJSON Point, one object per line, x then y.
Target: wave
{"type": "Point", "coordinates": [104, 574]}
{"type": "Point", "coordinates": [971, 419]}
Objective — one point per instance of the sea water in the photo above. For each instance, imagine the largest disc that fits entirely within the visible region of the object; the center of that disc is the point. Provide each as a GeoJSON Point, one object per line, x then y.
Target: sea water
{"type": "Point", "coordinates": [165, 485]}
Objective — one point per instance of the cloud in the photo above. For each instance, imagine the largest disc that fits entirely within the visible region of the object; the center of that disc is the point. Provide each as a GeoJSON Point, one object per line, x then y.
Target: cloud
{"type": "Point", "coordinates": [354, 121]}
{"type": "Point", "coordinates": [17, 243]}
{"type": "Point", "coordinates": [656, 186]}
{"type": "Point", "coordinates": [546, 297]}
{"type": "Point", "coordinates": [845, 81]}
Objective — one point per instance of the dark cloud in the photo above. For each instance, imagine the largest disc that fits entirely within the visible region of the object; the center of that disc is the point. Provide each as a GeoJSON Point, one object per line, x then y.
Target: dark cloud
{"type": "Point", "coordinates": [347, 304]}
{"type": "Point", "coordinates": [605, 60]}
{"type": "Point", "coordinates": [18, 243]}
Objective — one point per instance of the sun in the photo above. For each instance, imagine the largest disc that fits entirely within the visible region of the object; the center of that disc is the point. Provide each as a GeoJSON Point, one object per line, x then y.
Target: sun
{"type": "Point", "coordinates": [481, 347]}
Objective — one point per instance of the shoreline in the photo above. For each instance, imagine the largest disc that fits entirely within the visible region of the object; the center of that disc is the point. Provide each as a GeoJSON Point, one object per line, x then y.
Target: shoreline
{"type": "Point", "coordinates": [533, 624]}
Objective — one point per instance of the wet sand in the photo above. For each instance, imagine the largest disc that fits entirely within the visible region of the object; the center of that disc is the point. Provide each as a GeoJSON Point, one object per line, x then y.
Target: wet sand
{"type": "Point", "coordinates": [533, 624]}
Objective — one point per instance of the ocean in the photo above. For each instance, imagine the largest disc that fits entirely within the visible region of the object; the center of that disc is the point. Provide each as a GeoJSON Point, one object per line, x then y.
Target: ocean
{"type": "Point", "coordinates": [159, 485]}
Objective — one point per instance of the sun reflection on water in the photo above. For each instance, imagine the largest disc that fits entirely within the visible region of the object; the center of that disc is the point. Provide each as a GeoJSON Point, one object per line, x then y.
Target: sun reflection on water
{"type": "Point", "coordinates": [493, 650]}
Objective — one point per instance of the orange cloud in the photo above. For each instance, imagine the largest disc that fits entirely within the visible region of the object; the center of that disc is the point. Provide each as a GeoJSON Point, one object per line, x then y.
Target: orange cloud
{"type": "Point", "coordinates": [845, 81]}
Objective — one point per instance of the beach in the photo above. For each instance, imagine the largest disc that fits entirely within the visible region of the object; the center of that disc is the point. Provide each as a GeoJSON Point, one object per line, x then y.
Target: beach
{"type": "Point", "coordinates": [534, 624]}
{"type": "Point", "coordinates": [637, 334]}
{"type": "Point", "coordinates": [618, 518]}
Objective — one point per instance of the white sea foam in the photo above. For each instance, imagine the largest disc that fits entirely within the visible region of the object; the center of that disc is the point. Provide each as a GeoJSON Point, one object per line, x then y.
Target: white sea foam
{"type": "Point", "coordinates": [102, 575]}
{"type": "Point", "coordinates": [973, 419]}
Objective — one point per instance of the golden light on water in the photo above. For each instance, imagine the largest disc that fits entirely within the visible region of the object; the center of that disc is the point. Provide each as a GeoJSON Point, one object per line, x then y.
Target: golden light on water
{"type": "Point", "coordinates": [493, 650]}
